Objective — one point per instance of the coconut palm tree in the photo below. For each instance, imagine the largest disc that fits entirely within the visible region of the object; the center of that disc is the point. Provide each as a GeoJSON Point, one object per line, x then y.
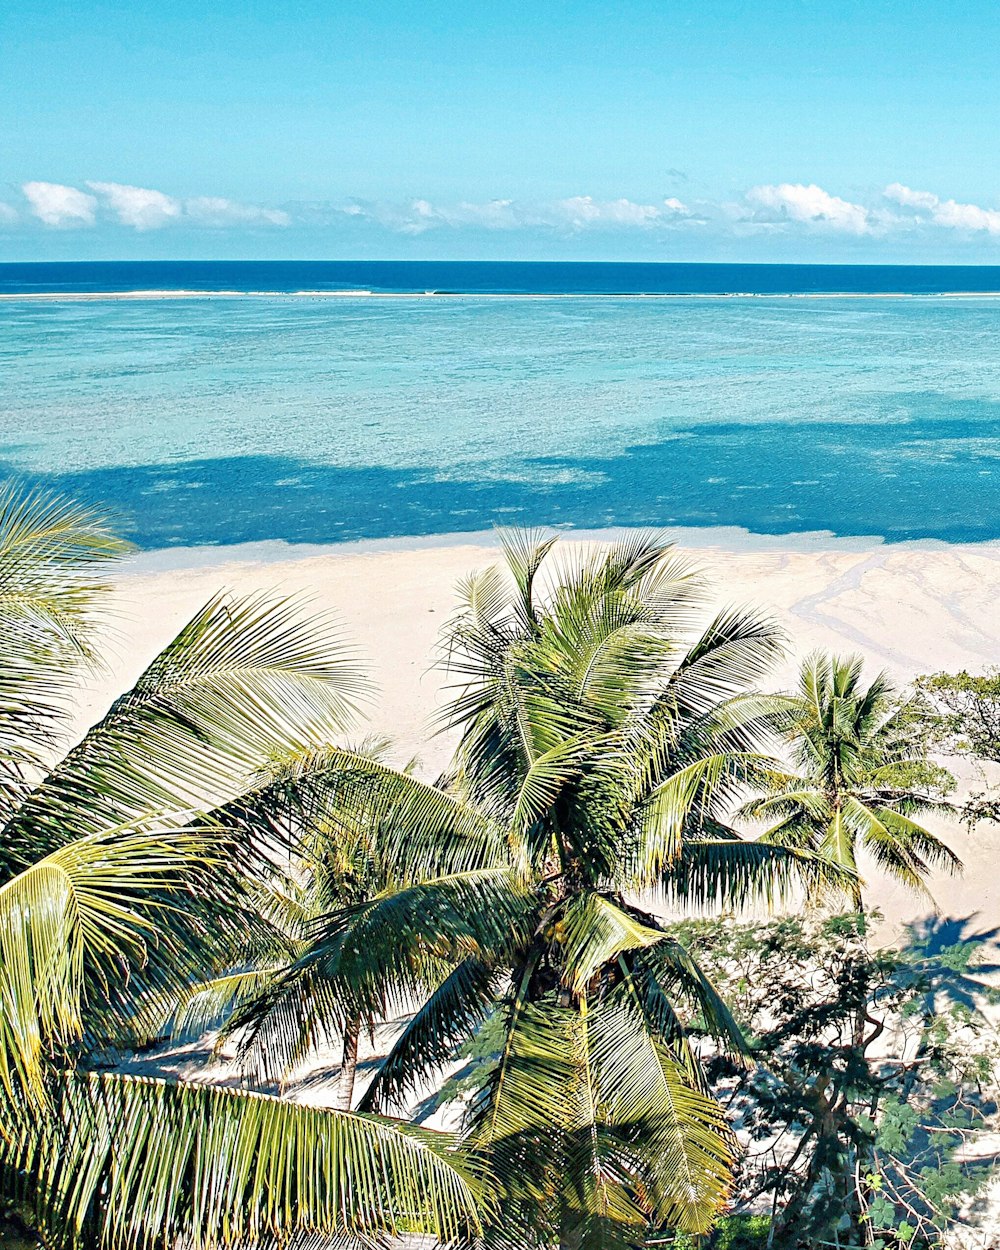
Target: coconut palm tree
{"type": "Point", "coordinates": [333, 861]}
{"type": "Point", "coordinates": [119, 889]}
{"type": "Point", "coordinates": [598, 754]}
{"type": "Point", "coordinates": [859, 782]}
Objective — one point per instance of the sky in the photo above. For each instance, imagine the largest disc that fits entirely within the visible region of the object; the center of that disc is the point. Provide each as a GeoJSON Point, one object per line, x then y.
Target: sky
{"type": "Point", "coordinates": [715, 130]}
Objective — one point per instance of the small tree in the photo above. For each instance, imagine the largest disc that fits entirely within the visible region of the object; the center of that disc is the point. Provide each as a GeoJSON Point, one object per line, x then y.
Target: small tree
{"type": "Point", "coordinates": [851, 1144]}
{"type": "Point", "coordinates": [861, 777]}
{"type": "Point", "coordinates": [963, 717]}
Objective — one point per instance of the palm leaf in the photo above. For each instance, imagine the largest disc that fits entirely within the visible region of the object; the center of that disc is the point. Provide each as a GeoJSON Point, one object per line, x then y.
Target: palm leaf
{"type": "Point", "coordinates": [594, 932]}
{"type": "Point", "coordinates": [243, 681]}
{"type": "Point", "coordinates": [133, 1162]}
{"type": "Point", "coordinates": [414, 830]}
{"type": "Point", "coordinates": [525, 552]}
{"type": "Point", "coordinates": [450, 1016]}
{"type": "Point", "coordinates": [681, 1132]}
{"type": "Point", "coordinates": [736, 873]}
{"type": "Point", "coordinates": [86, 918]}
{"type": "Point", "coordinates": [52, 553]}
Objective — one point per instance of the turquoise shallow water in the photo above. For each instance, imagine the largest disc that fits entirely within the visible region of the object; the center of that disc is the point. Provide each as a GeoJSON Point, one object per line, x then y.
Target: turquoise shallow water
{"type": "Point", "coordinates": [229, 420]}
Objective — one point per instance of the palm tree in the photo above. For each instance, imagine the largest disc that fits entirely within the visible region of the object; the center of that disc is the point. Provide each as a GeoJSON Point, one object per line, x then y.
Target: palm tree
{"type": "Point", "coordinates": [597, 758]}
{"type": "Point", "coordinates": [859, 779]}
{"type": "Point", "coordinates": [119, 889]}
{"type": "Point", "coordinates": [333, 862]}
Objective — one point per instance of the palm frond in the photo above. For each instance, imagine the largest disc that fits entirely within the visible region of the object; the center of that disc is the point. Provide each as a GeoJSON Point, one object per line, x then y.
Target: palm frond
{"type": "Point", "coordinates": [679, 807]}
{"type": "Point", "coordinates": [87, 918]}
{"type": "Point", "coordinates": [679, 1132]}
{"type": "Point", "coordinates": [667, 971]}
{"type": "Point", "coordinates": [52, 555]}
{"type": "Point", "coordinates": [415, 831]}
{"type": "Point", "coordinates": [525, 552]}
{"type": "Point", "coordinates": [208, 1005]}
{"type": "Point", "coordinates": [133, 1162]}
{"type": "Point", "coordinates": [594, 931]}
{"type": "Point", "coordinates": [733, 873]}
{"type": "Point", "coordinates": [486, 914]}
{"type": "Point", "coordinates": [244, 680]}
{"type": "Point", "coordinates": [734, 652]}
{"type": "Point", "coordinates": [371, 960]}
{"type": "Point", "coordinates": [450, 1016]}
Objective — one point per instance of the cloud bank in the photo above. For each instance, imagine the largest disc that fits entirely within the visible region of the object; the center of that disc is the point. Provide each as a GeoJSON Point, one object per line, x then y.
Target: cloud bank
{"type": "Point", "coordinates": [59, 206]}
{"type": "Point", "coordinates": [575, 214]}
{"type": "Point", "coordinates": [774, 209]}
{"type": "Point", "coordinates": [808, 205]}
{"type": "Point", "coordinates": [140, 208]}
{"type": "Point", "coordinates": [949, 214]}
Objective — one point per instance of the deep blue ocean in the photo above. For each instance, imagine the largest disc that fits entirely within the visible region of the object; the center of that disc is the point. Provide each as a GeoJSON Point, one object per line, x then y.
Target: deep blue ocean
{"type": "Point", "coordinates": [277, 414]}
{"type": "Point", "coordinates": [495, 277]}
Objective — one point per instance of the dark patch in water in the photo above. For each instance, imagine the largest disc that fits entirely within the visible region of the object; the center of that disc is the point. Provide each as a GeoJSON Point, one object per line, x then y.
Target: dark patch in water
{"type": "Point", "coordinates": [911, 480]}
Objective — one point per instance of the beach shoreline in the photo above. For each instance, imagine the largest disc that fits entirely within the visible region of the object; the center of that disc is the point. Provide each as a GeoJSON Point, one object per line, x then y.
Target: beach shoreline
{"type": "Point", "coordinates": [735, 540]}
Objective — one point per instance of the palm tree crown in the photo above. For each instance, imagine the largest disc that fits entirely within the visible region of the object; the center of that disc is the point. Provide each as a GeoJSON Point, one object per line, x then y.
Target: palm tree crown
{"type": "Point", "coordinates": [598, 754]}
{"type": "Point", "coordinates": [858, 780]}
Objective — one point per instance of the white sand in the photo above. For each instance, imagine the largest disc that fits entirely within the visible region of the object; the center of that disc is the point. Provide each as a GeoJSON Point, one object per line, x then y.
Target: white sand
{"type": "Point", "coordinates": [908, 608]}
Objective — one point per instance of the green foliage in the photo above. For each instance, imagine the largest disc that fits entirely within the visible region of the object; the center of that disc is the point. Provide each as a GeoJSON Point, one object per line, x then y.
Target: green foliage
{"type": "Point", "coordinates": [151, 1163]}
{"type": "Point", "coordinates": [478, 1056]}
{"type": "Point", "coordinates": [873, 1076]}
{"type": "Point", "coordinates": [120, 890]}
{"type": "Point", "coordinates": [733, 1232]}
{"type": "Point", "coordinates": [599, 750]}
{"type": "Point", "coordinates": [861, 779]}
{"type": "Point", "coordinates": [963, 716]}
{"type": "Point", "coordinates": [965, 711]}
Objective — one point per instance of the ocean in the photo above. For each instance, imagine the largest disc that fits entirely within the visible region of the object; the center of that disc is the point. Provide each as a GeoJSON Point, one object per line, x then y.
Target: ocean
{"type": "Point", "coordinates": [780, 399]}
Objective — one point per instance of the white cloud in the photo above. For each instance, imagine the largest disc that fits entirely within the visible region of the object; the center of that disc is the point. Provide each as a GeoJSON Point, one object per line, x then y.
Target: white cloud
{"type": "Point", "coordinates": [967, 217]}
{"type": "Point", "coordinates": [582, 211]}
{"type": "Point", "coordinates": [950, 214]}
{"type": "Point", "coordinates": [213, 210]}
{"type": "Point", "coordinates": [56, 205]}
{"type": "Point", "coordinates": [574, 214]}
{"type": "Point", "coordinates": [808, 205]}
{"type": "Point", "coordinates": [139, 207]}
{"type": "Point", "coordinates": [420, 215]}
{"type": "Point", "coordinates": [908, 198]}
{"type": "Point", "coordinates": [492, 215]}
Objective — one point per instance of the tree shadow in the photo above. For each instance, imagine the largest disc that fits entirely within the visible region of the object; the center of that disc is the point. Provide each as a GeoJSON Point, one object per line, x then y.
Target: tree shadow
{"type": "Point", "coordinates": [956, 959]}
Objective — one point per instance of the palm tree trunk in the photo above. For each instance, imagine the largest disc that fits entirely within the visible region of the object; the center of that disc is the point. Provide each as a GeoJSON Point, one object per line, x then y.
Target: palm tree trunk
{"type": "Point", "coordinates": [861, 1014]}
{"type": "Point", "coordinates": [348, 1065]}
{"type": "Point", "coordinates": [854, 1198]}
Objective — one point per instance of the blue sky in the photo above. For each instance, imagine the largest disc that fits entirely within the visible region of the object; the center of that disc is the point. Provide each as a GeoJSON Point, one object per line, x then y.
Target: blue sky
{"type": "Point", "coordinates": [642, 129]}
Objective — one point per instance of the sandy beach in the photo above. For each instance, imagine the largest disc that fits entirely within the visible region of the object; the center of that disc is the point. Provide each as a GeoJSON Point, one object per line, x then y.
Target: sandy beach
{"type": "Point", "coordinates": [908, 608]}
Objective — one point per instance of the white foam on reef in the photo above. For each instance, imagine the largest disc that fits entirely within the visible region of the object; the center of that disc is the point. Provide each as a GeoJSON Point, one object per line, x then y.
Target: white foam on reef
{"type": "Point", "coordinates": [88, 296]}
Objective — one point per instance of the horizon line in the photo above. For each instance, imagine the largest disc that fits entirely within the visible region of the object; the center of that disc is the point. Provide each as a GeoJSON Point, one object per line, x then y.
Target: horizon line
{"type": "Point", "coordinates": [410, 260]}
